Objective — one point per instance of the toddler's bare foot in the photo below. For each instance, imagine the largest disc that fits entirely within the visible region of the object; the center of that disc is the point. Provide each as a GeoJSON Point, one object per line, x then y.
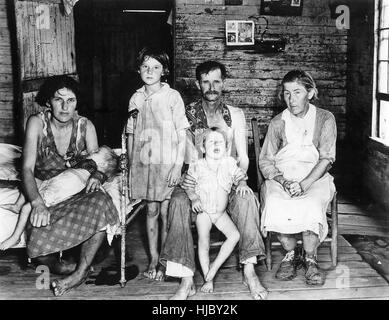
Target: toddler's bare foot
{"type": "Point", "coordinates": [211, 273]}
{"type": "Point", "coordinates": [13, 207]}
{"type": "Point", "coordinates": [185, 290]}
{"type": "Point", "coordinates": [10, 242]}
{"type": "Point", "coordinates": [207, 287]}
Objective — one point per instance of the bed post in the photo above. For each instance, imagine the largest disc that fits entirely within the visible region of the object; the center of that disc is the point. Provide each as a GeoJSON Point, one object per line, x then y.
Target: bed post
{"type": "Point", "coordinates": [125, 196]}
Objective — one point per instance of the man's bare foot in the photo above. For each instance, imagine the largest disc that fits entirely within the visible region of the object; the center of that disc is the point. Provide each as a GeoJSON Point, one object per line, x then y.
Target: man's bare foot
{"type": "Point", "coordinates": [207, 287]}
{"type": "Point", "coordinates": [62, 286]}
{"type": "Point", "coordinates": [258, 292]}
{"type": "Point", "coordinates": [151, 271]}
{"type": "Point", "coordinates": [185, 290]}
{"type": "Point", "coordinates": [8, 243]}
{"type": "Point", "coordinates": [13, 207]}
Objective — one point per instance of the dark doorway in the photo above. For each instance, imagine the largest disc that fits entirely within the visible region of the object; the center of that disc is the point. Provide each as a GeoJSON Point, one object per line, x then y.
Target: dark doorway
{"type": "Point", "coordinates": [109, 34]}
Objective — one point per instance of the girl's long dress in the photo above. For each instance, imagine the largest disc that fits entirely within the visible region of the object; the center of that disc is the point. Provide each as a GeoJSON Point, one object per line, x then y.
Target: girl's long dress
{"type": "Point", "coordinates": [161, 116]}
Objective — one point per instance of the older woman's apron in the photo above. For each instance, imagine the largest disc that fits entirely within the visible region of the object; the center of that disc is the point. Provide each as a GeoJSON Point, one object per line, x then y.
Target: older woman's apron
{"type": "Point", "coordinates": [282, 213]}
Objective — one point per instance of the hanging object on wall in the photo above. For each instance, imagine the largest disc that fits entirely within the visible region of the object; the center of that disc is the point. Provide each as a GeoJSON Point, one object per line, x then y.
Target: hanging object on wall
{"type": "Point", "coordinates": [42, 12]}
{"type": "Point", "coordinates": [266, 43]}
{"type": "Point", "coordinates": [281, 7]}
{"type": "Point", "coordinates": [239, 33]}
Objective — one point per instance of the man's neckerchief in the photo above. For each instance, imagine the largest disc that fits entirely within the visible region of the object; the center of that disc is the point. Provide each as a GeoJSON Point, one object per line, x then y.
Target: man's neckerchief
{"type": "Point", "coordinates": [197, 118]}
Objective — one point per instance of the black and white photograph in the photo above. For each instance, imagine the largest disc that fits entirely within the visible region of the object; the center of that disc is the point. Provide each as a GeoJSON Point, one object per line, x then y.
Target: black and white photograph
{"type": "Point", "coordinates": [210, 153]}
{"type": "Point", "coordinates": [239, 32]}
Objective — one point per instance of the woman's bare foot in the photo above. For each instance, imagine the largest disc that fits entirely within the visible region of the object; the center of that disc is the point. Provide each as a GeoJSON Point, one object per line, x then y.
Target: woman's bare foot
{"type": "Point", "coordinates": [64, 268]}
{"type": "Point", "coordinates": [151, 271]}
{"type": "Point", "coordinates": [8, 243]}
{"type": "Point", "coordinates": [13, 207]}
{"type": "Point", "coordinates": [62, 286]}
{"type": "Point", "coordinates": [258, 292]}
{"type": "Point", "coordinates": [207, 287]}
{"type": "Point", "coordinates": [185, 290]}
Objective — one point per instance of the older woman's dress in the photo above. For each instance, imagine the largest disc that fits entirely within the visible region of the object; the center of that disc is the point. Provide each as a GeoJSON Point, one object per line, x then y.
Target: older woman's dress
{"type": "Point", "coordinates": [77, 219]}
{"type": "Point", "coordinates": [293, 146]}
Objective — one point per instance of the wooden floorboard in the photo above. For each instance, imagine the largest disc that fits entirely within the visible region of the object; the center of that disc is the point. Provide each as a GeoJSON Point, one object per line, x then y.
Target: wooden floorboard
{"type": "Point", "coordinates": [353, 278]}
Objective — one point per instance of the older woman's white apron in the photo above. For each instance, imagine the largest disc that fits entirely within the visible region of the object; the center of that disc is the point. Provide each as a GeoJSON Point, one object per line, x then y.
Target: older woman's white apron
{"type": "Point", "coordinates": [282, 213]}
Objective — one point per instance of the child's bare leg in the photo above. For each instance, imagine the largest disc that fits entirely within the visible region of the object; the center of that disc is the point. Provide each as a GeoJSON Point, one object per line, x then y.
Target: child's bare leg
{"type": "Point", "coordinates": [21, 224]}
{"type": "Point", "coordinates": [204, 225]}
{"type": "Point", "coordinates": [15, 207]}
{"type": "Point", "coordinates": [164, 211]}
{"type": "Point", "coordinates": [153, 209]}
{"type": "Point", "coordinates": [225, 225]}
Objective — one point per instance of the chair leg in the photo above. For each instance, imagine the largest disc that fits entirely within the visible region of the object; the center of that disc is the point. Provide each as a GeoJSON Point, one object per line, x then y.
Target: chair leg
{"type": "Point", "coordinates": [334, 230]}
{"type": "Point", "coordinates": [268, 251]}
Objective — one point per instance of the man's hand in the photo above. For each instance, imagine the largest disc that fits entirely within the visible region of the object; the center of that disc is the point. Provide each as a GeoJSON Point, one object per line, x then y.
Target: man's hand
{"type": "Point", "coordinates": [188, 182]}
{"type": "Point", "coordinates": [239, 175]}
{"type": "Point", "coordinates": [196, 206]}
{"type": "Point", "coordinates": [40, 215]}
{"type": "Point", "coordinates": [174, 176]}
{"type": "Point", "coordinates": [93, 184]}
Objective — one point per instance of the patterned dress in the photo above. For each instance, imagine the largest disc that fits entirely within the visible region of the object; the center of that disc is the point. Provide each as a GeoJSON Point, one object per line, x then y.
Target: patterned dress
{"type": "Point", "coordinates": [75, 220]}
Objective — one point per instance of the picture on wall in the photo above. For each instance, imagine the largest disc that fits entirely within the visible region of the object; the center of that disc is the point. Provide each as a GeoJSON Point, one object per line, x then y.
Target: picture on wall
{"type": "Point", "coordinates": [239, 32]}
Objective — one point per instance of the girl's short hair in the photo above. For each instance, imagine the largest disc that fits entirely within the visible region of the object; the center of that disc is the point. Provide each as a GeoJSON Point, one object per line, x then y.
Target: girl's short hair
{"type": "Point", "coordinates": [303, 78]}
{"type": "Point", "coordinates": [156, 53]}
{"type": "Point", "coordinates": [214, 129]}
{"type": "Point", "coordinates": [52, 85]}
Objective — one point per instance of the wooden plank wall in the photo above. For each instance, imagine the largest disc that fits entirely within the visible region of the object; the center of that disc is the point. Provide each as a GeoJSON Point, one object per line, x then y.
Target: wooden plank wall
{"type": "Point", "coordinates": [313, 44]}
{"type": "Point", "coordinates": [7, 118]}
{"type": "Point", "coordinates": [45, 52]}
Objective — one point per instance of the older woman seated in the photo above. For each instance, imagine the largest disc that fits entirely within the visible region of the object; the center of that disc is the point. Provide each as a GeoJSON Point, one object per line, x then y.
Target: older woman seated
{"type": "Point", "coordinates": [299, 149]}
{"type": "Point", "coordinates": [53, 138]}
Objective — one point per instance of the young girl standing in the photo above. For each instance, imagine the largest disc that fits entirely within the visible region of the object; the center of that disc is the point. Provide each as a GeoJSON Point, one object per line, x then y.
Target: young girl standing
{"type": "Point", "coordinates": [156, 146]}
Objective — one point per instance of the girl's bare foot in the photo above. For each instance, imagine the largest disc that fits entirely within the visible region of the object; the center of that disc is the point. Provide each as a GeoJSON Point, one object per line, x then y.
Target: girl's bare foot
{"type": "Point", "coordinates": [13, 207]}
{"type": "Point", "coordinates": [151, 271]}
{"type": "Point", "coordinates": [8, 243]}
{"type": "Point", "coordinates": [207, 287]}
{"type": "Point", "coordinates": [160, 276]}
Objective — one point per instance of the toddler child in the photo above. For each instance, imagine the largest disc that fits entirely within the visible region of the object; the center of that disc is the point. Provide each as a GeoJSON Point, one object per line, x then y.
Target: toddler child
{"type": "Point", "coordinates": [215, 175]}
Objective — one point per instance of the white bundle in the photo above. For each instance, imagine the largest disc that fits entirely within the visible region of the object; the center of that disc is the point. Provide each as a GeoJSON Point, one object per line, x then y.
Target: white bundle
{"type": "Point", "coordinates": [9, 158]}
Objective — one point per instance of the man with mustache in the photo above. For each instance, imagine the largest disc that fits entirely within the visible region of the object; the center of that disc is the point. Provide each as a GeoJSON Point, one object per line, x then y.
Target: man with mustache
{"type": "Point", "coordinates": [178, 253]}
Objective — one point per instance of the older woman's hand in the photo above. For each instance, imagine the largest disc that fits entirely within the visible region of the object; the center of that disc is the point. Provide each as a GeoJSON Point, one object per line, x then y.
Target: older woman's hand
{"type": "Point", "coordinates": [40, 215]}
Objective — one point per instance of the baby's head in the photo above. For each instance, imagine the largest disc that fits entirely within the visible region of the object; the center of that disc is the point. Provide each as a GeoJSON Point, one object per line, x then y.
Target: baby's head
{"type": "Point", "coordinates": [214, 143]}
{"type": "Point", "coordinates": [106, 160]}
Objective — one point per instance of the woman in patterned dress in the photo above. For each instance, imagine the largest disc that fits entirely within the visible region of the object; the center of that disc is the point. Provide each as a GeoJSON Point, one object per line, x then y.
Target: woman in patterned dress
{"type": "Point", "coordinates": [53, 138]}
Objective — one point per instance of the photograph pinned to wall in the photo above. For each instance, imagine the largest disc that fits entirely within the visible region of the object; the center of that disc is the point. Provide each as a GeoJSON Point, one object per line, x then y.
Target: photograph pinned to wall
{"type": "Point", "coordinates": [239, 32]}
{"type": "Point", "coordinates": [281, 7]}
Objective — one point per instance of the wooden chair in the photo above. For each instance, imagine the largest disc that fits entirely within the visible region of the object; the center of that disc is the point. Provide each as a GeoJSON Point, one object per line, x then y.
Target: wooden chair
{"type": "Point", "coordinates": [259, 133]}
